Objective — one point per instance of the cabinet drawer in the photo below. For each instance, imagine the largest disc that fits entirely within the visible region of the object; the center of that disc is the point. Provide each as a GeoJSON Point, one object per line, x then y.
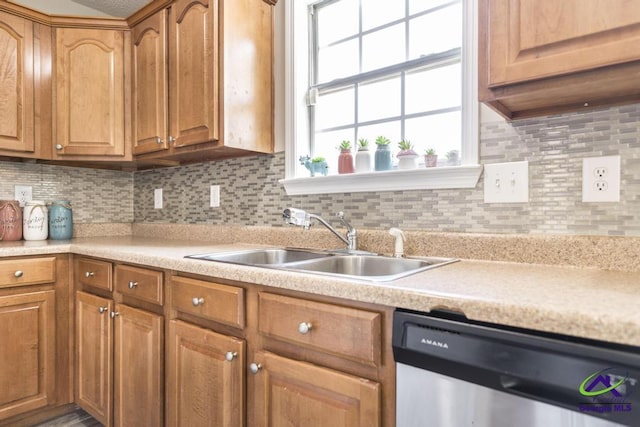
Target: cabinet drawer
{"type": "Point", "coordinates": [213, 301]}
{"type": "Point", "coordinates": [347, 332]}
{"type": "Point", "coordinates": [94, 273]}
{"type": "Point", "coordinates": [27, 271]}
{"type": "Point", "coordinates": [140, 283]}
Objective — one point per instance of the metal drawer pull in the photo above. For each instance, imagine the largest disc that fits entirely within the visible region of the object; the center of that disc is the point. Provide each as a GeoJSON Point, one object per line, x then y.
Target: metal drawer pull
{"type": "Point", "coordinates": [59, 147]}
{"type": "Point", "coordinates": [197, 301]}
{"type": "Point", "coordinates": [18, 274]}
{"type": "Point", "coordinates": [255, 367]}
{"type": "Point", "coordinates": [114, 314]}
{"type": "Point", "coordinates": [304, 328]}
{"type": "Point", "coordinates": [103, 309]}
{"type": "Point", "coordinates": [172, 140]}
{"type": "Point", "coordinates": [230, 355]}
{"type": "Point", "coordinates": [89, 274]}
{"type": "Point", "coordinates": [133, 285]}
{"type": "Point", "coordinates": [159, 140]}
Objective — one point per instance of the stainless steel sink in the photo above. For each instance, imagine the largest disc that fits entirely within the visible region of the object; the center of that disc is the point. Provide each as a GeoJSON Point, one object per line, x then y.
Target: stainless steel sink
{"type": "Point", "coordinates": [263, 257]}
{"type": "Point", "coordinates": [367, 267]}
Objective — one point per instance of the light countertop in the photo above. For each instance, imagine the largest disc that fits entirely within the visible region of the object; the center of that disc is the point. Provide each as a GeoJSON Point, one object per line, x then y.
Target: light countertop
{"type": "Point", "coordinates": [589, 303]}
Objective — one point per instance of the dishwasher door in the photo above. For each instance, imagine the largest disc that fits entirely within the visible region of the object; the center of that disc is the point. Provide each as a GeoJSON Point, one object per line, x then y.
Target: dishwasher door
{"type": "Point", "coordinates": [453, 372]}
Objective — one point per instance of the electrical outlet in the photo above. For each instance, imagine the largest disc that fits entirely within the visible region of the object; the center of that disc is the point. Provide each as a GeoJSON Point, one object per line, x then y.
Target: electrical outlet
{"type": "Point", "coordinates": [506, 182]}
{"type": "Point", "coordinates": [601, 179]}
{"type": "Point", "coordinates": [214, 196]}
{"type": "Point", "coordinates": [157, 198]}
{"type": "Point", "coordinates": [23, 193]}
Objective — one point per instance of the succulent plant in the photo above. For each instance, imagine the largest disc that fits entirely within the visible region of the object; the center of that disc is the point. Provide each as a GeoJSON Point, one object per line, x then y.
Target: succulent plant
{"type": "Point", "coordinates": [345, 145]}
{"type": "Point", "coordinates": [318, 160]}
{"type": "Point", "coordinates": [405, 145]}
{"type": "Point", "coordinates": [363, 144]}
{"type": "Point", "coordinates": [382, 140]}
{"type": "Point", "coordinates": [430, 152]}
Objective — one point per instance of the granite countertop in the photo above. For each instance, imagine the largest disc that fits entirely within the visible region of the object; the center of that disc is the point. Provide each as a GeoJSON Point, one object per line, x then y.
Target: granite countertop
{"type": "Point", "coordinates": [589, 303]}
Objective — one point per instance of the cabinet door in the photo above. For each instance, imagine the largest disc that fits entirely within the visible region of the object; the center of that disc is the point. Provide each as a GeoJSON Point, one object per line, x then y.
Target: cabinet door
{"type": "Point", "coordinates": [16, 84]}
{"type": "Point", "coordinates": [150, 84]}
{"type": "Point", "coordinates": [531, 39]}
{"type": "Point", "coordinates": [205, 378]}
{"type": "Point", "coordinates": [89, 107]}
{"type": "Point", "coordinates": [27, 352]}
{"type": "Point", "coordinates": [138, 375]}
{"type": "Point", "coordinates": [94, 388]}
{"type": "Point", "coordinates": [292, 393]}
{"type": "Point", "coordinates": [193, 71]}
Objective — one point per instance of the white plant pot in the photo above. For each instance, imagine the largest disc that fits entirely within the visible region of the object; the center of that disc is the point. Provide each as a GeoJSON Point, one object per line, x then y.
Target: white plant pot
{"type": "Point", "coordinates": [408, 162]}
{"type": "Point", "coordinates": [363, 161]}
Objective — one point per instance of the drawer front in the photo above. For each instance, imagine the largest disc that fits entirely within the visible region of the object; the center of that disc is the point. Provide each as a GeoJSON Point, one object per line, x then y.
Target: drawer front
{"type": "Point", "coordinates": [213, 301]}
{"type": "Point", "coordinates": [140, 283]}
{"type": "Point", "coordinates": [347, 332]}
{"type": "Point", "coordinates": [95, 273]}
{"type": "Point", "coordinates": [27, 271]}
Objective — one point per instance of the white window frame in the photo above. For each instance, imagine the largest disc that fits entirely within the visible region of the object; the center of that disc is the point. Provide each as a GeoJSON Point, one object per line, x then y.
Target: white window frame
{"type": "Point", "coordinates": [296, 127]}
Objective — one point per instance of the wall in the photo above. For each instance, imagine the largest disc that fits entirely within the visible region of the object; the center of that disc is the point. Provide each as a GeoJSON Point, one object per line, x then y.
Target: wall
{"type": "Point", "coordinates": [554, 146]}
{"type": "Point", "coordinates": [97, 196]}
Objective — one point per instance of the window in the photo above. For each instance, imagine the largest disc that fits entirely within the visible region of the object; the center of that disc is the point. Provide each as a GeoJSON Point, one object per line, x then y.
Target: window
{"type": "Point", "coordinates": [403, 69]}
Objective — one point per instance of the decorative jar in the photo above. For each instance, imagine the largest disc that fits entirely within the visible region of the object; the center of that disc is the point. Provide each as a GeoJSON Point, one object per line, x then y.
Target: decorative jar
{"type": "Point", "coordinates": [35, 222]}
{"type": "Point", "coordinates": [10, 220]}
{"type": "Point", "coordinates": [60, 220]}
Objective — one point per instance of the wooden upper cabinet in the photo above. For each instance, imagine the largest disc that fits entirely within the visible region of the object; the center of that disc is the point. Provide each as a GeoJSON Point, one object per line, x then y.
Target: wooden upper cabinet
{"type": "Point", "coordinates": [150, 85]}
{"type": "Point", "coordinates": [89, 104]}
{"type": "Point", "coordinates": [545, 56]}
{"type": "Point", "coordinates": [531, 39]}
{"type": "Point", "coordinates": [193, 71]}
{"type": "Point", "coordinates": [16, 84]}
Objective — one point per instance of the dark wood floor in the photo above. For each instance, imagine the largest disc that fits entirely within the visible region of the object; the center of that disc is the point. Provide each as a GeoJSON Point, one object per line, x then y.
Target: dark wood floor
{"type": "Point", "coordinates": [78, 418]}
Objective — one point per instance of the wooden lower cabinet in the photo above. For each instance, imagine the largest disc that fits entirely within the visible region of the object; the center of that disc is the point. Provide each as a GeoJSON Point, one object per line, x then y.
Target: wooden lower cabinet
{"type": "Point", "coordinates": [293, 393]}
{"type": "Point", "coordinates": [27, 352]}
{"type": "Point", "coordinates": [205, 377]}
{"type": "Point", "coordinates": [120, 362]}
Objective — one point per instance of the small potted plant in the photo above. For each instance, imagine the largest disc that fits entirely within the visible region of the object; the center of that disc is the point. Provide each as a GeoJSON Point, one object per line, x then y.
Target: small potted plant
{"type": "Point", "coordinates": [453, 157]}
{"type": "Point", "coordinates": [430, 158]}
{"type": "Point", "coordinates": [407, 157]}
{"type": "Point", "coordinates": [363, 157]}
{"type": "Point", "coordinates": [383, 154]}
{"type": "Point", "coordinates": [345, 159]}
{"type": "Point", "coordinates": [315, 165]}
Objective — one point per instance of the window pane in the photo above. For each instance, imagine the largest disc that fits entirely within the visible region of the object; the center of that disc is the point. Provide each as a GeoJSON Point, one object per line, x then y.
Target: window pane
{"type": "Point", "coordinates": [327, 144]}
{"type": "Point", "coordinates": [433, 89]}
{"type": "Point", "coordinates": [379, 12]}
{"type": "Point", "coordinates": [383, 48]}
{"type": "Point", "coordinates": [389, 129]}
{"type": "Point", "coordinates": [335, 109]}
{"type": "Point", "coordinates": [337, 61]}
{"type": "Point", "coordinates": [337, 21]}
{"type": "Point", "coordinates": [435, 32]}
{"type": "Point", "coordinates": [441, 132]}
{"type": "Point", "coordinates": [416, 6]}
{"type": "Point", "coordinates": [379, 99]}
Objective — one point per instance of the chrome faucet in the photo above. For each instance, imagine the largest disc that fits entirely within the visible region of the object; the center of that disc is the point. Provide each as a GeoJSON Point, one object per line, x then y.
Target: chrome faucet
{"type": "Point", "coordinates": [303, 219]}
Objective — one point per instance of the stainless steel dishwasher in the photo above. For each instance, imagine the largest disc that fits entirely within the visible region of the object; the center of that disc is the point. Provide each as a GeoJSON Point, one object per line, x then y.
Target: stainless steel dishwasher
{"type": "Point", "coordinates": [452, 372]}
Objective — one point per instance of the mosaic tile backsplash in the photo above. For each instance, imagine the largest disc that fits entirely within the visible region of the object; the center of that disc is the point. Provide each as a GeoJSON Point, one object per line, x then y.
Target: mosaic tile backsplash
{"type": "Point", "coordinates": [97, 196]}
{"type": "Point", "coordinates": [554, 147]}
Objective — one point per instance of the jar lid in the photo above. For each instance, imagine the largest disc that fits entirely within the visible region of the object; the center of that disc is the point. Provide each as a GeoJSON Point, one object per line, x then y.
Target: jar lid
{"type": "Point", "coordinates": [34, 203]}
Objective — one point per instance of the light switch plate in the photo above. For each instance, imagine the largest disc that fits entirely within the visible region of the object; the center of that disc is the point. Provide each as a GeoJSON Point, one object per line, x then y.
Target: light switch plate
{"type": "Point", "coordinates": [157, 198]}
{"type": "Point", "coordinates": [214, 196]}
{"type": "Point", "coordinates": [23, 193]}
{"type": "Point", "coordinates": [506, 182]}
{"type": "Point", "coordinates": [601, 179]}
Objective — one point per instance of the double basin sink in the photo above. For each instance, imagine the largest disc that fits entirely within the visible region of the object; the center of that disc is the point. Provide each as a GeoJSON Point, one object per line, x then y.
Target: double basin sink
{"type": "Point", "coordinates": [368, 267]}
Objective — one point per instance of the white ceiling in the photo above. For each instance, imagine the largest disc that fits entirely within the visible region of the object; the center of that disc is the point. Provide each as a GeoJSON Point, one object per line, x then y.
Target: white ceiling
{"type": "Point", "coordinates": [101, 8]}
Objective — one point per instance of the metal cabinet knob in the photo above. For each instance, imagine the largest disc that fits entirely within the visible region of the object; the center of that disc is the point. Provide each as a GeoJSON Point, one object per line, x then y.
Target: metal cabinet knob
{"type": "Point", "coordinates": [133, 285]}
{"type": "Point", "coordinates": [18, 274]}
{"type": "Point", "coordinates": [255, 368]}
{"type": "Point", "coordinates": [89, 274]}
{"type": "Point", "coordinates": [59, 147]}
{"type": "Point", "coordinates": [171, 139]}
{"type": "Point", "coordinates": [230, 355]}
{"type": "Point", "coordinates": [159, 140]}
{"type": "Point", "coordinates": [304, 328]}
{"type": "Point", "coordinates": [197, 301]}
{"type": "Point", "coordinates": [114, 314]}
{"type": "Point", "coordinates": [103, 309]}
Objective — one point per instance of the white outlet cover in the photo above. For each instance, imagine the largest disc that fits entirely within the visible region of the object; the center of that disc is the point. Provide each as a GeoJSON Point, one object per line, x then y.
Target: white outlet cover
{"type": "Point", "coordinates": [214, 196]}
{"type": "Point", "coordinates": [601, 179]}
{"type": "Point", "coordinates": [506, 182]}
{"type": "Point", "coordinates": [23, 193]}
{"type": "Point", "coordinates": [157, 198]}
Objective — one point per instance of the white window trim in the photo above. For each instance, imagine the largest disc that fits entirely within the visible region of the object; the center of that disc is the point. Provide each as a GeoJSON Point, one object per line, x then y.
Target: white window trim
{"type": "Point", "coordinates": [464, 176]}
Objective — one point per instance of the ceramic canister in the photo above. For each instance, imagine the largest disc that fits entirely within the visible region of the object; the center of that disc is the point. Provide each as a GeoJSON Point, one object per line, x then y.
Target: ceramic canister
{"type": "Point", "coordinates": [10, 220]}
{"type": "Point", "coordinates": [60, 220]}
{"type": "Point", "coordinates": [35, 224]}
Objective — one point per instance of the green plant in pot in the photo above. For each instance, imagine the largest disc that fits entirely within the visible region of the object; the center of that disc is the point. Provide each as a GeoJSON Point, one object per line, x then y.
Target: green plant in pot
{"type": "Point", "coordinates": [363, 157]}
{"type": "Point", "coordinates": [453, 157]}
{"type": "Point", "coordinates": [383, 160]}
{"type": "Point", "coordinates": [345, 159]}
{"type": "Point", "coordinates": [430, 158]}
{"type": "Point", "coordinates": [407, 157]}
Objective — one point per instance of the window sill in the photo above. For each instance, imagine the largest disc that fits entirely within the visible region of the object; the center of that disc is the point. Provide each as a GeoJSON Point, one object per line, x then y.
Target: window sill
{"type": "Point", "coordinates": [446, 177]}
